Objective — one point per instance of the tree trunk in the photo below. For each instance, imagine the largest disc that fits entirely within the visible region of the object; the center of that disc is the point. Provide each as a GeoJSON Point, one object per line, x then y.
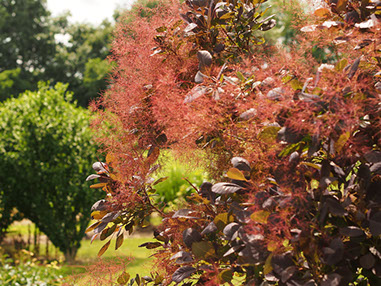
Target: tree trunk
{"type": "Point", "coordinates": [70, 254]}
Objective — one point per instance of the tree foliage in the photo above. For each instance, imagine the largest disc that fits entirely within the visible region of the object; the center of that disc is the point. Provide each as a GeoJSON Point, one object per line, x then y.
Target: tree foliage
{"type": "Point", "coordinates": [45, 150]}
{"type": "Point", "coordinates": [37, 47]}
{"type": "Point", "coordinates": [297, 140]}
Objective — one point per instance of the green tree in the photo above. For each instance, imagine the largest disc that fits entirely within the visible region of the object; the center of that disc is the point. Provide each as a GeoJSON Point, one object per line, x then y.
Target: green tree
{"type": "Point", "coordinates": [30, 44]}
{"type": "Point", "coordinates": [45, 152]}
{"type": "Point", "coordinates": [81, 60]}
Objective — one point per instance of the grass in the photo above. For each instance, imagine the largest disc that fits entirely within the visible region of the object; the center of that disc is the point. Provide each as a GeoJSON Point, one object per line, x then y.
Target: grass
{"type": "Point", "coordinates": [88, 268]}
{"type": "Point", "coordinates": [91, 270]}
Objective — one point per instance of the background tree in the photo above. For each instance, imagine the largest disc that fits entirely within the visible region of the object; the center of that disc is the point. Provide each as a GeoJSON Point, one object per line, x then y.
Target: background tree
{"type": "Point", "coordinates": [37, 47]}
{"type": "Point", "coordinates": [45, 152]}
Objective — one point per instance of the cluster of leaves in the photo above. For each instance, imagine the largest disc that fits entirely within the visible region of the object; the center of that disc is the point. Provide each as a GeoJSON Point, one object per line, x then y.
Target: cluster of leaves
{"type": "Point", "coordinates": [114, 217]}
{"type": "Point", "coordinates": [303, 207]}
{"type": "Point", "coordinates": [218, 27]}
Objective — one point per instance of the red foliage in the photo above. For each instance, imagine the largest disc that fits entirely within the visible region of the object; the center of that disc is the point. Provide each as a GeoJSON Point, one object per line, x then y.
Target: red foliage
{"type": "Point", "coordinates": [299, 115]}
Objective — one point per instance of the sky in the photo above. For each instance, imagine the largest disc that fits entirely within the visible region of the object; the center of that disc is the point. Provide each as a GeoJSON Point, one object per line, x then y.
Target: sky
{"type": "Point", "coordinates": [89, 11]}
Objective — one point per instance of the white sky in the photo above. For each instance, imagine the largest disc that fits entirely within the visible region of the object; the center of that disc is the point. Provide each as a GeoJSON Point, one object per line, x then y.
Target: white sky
{"type": "Point", "coordinates": [89, 11]}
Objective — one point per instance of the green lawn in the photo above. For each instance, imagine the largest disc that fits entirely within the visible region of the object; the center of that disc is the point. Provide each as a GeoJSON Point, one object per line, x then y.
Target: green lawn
{"type": "Point", "coordinates": [89, 269]}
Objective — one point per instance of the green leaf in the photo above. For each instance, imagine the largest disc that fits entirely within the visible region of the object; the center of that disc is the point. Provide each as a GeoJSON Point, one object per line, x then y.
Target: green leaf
{"type": "Point", "coordinates": [227, 16]}
{"type": "Point", "coordinates": [107, 232]}
{"type": "Point", "coordinates": [267, 268]}
{"type": "Point", "coordinates": [222, 220]}
{"type": "Point", "coordinates": [339, 144]}
{"type": "Point", "coordinates": [260, 216]}
{"type": "Point", "coordinates": [290, 149]}
{"type": "Point", "coordinates": [235, 174]}
{"type": "Point", "coordinates": [341, 65]}
{"type": "Point", "coordinates": [123, 278]}
{"type": "Point", "coordinates": [104, 248]}
{"type": "Point", "coordinates": [226, 275]}
{"type": "Point", "coordinates": [161, 29]}
{"type": "Point", "coordinates": [240, 76]}
{"type": "Point", "coordinates": [162, 179]}
{"type": "Point", "coordinates": [315, 166]}
{"type": "Point", "coordinates": [269, 133]}
{"type": "Point", "coordinates": [296, 85]}
{"type": "Point", "coordinates": [203, 249]}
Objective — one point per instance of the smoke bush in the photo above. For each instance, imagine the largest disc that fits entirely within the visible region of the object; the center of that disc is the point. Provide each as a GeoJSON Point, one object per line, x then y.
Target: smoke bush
{"type": "Point", "coordinates": [295, 130]}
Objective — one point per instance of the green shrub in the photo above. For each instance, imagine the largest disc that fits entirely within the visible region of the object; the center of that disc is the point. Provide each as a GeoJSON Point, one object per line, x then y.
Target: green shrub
{"type": "Point", "coordinates": [173, 191]}
{"type": "Point", "coordinates": [45, 151]}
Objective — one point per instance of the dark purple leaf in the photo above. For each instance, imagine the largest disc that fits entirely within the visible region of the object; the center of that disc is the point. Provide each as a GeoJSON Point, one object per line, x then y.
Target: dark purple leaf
{"type": "Point", "coordinates": [335, 207]}
{"type": "Point", "coordinates": [199, 77]}
{"type": "Point", "coordinates": [184, 213]}
{"type": "Point", "coordinates": [276, 93]}
{"type": "Point", "coordinates": [373, 156]}
{"type": "Point", "coordinates": [225, 188]}
{"type": "Point", "coordinates": [367, 261]}
{"type": "Point", "coordinates": [182, 257]}
{"type": "Point", "coordinates": [268, 25]}
{"type": "Point", "coordinates": [351, 231]}
{"type": "Point", "coordinates": [183, 273]}
{"type": "Point", "coordinates": [204, 58]}
{"type": "Point", "coordinates": [287, 273]}
{"type": "Point", "coordinates": [92, 177]}
{"type": "Point", "coordinates": [100, 227]}
{"type": "Point", "coordinates": [354, 68]}
{"type": "Point", "coordinates": [151, 245]}
{"type": "Point", "coordinates": [376, 168]}
{"type": "Point", "coordinates": [190, 236]}
{"type": "Point", "coordinates": [241, 164]}
{"type": "Point", "coordinates": [99, 167]}
{"type": "Point", "coordinates": [147, 278]}
{"type": "Point", "coordinates": [99, 206]}
{"type": "Point", "coordinates": [210, 228]}
{"type": "Point", "coordinates": [331, 280]}
{"type": "Point", "coordinates": [190, 27]}
{"type": "Point", "coordinates": [234, 249]}
{"type": "Point", "coordinates": [334, 253]}
{"type": "Point", "coordinates": [109, 217]}
{"type": "Point", "coordinates": [230, 231]}
{"type": "Point", "coordinates": [375, 224]}
{"type": "Point", "coordinates": [281, 262]}
{"type": "Point", "coordinates": [248, 114]}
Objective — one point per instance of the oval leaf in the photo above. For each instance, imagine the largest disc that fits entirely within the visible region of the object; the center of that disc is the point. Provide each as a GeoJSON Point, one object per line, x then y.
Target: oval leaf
{"type": "Point", "coordinates": [203, 249]}
{"type": "Point", "coordinates": [92, 177]}
{"type": "Point", "coordinates": [235, 174]}
{"type": "Point", "coordinates": [225, 188]}
{"type": "Point", "coordinates": [160, 180]}
{"type": "Point", "coordinates": [226, 275]}
{"type": "Point", "coordinates": [190, 236]}
{"type": "Point", "coordinates": [97, 186]}
{"type": "Point", "coordinates": [351, 231]}
{"type": "Point", "coordinates": [119, 241]}
{"type": "Point", "coordinates": [182, 273]}
{"type": "Point", "coordinates": [104, 248]}
{"type": "Point", "coordinates": [260, 216]}
{"type": "Point", "coordinates": [123, 278]}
